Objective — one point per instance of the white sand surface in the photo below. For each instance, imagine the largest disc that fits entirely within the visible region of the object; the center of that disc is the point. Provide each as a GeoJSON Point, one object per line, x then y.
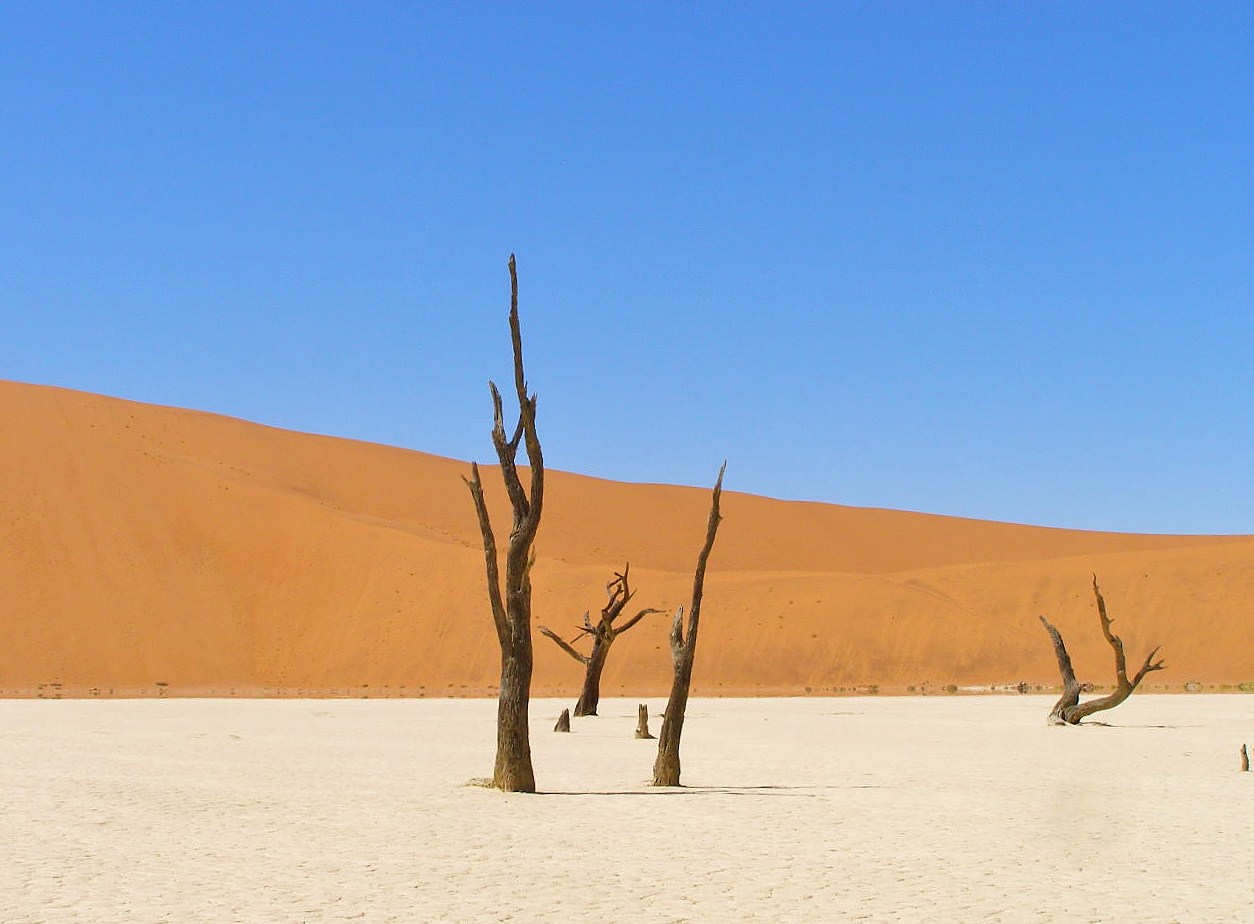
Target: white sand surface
{"type": "Point", "coordinates": [902, 809]}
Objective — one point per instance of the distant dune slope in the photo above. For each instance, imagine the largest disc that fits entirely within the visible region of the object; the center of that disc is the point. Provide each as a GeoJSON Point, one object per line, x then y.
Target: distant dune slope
{"type": "Point", "coordinates": [147, 546]}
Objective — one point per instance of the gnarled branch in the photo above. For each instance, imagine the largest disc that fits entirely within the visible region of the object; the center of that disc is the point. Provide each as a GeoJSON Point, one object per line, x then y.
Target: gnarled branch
{"type": "Point", "coordinates": [564, 645]}
{"type": "Point", "coordinates": [1068, 710]}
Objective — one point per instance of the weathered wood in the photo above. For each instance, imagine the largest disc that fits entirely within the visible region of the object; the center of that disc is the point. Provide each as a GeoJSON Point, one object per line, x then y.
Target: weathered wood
{"type": "Point", "coordinates": [642, 721]}
{"type": "Point", "coordinates": [1245, 758]}
{"type": "Point", "coordinates": [563, 722]}
{"type": "Point", "coordinates": [511, 606]}
{"type": "Point", "coordinates": [666, 768]}
{"type": "Point", "coordinates": [1069, 710]}
{"type": "Point", "coordinates": [564, 645]}
{"type": "Point", "coordinates": [603, 634]}
{"type": "Point", "coordinates": [1070, 686]}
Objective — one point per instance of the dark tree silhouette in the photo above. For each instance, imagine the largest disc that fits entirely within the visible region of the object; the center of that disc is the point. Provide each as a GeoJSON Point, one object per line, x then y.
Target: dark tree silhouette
{"type": "Point", "coordinates": [1068, 710]}
{"type": "Point", "coordinates": [511, 606]}
{"type": "Point", "coordinates": [603, 635]}
{"type": "Point", "coordinates": [683, 650]}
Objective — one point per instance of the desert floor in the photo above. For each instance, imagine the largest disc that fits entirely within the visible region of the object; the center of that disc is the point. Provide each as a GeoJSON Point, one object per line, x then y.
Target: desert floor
{"type": "Point", "coordinates": [859, 809]}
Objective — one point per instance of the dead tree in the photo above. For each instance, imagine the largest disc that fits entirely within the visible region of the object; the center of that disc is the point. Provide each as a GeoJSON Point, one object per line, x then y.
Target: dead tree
{"type": "Point", "coordinates": [603, 635]}
{"type": "Point", "coordinates": [563, 722]}
{"type": "Point", "coordinates": [642, 722]}
{"type": "Point", "coordinates": [511, 605]}
{"type": "Point", "coordinates": [1068, 710]}
{"type": "Point", "coordinates": [683, 649]}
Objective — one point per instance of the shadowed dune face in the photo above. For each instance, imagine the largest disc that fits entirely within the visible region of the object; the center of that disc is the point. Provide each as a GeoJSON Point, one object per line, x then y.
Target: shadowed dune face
{"type": "Point", "coordinates": [148, 546]}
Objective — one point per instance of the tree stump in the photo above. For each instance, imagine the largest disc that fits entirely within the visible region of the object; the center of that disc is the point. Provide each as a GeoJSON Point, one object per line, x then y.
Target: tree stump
{"type": "Point", "coordinates": [1245, 758]}
{"type": "Point", "coordinates": [563, 722]}
{"type": "Point", "coordinates": [642, 722]}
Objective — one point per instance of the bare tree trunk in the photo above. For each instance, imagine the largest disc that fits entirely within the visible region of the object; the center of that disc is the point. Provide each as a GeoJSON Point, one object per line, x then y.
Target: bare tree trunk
{"type": "Point", "coordinates": [683, 650]}
{"type": "Point", "coordinates": [511, 607]}
{"type": "Point", "coordinates": [1245, 759]}
{"type": "Point", "coordinates": [563, 722]}
{"type": "Point", "coordinates": [642, 722]}
{"type": "Point", "coordinates": [603, 635]}
{"type": "Point", "coordinates": [1068, 710]}
{"type": "Point", "coordinates": [590, 696]}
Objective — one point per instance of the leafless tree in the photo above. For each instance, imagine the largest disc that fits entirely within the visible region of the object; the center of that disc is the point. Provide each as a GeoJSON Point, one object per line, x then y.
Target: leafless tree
{"type": "Point", "coordinates": [511, 604]}
{"type": "Point", "coordinates": [1068, 710]}
{"type": "Point", "coordinates": [603, 635]}
{"type": "Point", "coordinates": [683, 650]}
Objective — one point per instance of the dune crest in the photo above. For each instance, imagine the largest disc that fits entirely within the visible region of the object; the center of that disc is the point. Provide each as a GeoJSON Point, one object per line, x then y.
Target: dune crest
{"type": "Point", "coordinates": [157, 550]}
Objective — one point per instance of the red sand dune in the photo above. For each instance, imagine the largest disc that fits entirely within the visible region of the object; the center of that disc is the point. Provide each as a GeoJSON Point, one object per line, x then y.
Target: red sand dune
{"type": "Point", "coordinates": [152, 549]}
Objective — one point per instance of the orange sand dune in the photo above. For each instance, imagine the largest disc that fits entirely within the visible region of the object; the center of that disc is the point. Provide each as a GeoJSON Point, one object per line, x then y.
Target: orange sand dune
{"type": "Point", "coordinates": [150, 549]}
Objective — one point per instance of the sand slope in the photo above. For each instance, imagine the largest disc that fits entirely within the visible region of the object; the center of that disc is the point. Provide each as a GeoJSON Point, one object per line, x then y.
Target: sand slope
{"type": "Point", "coordinates": [147, 545]}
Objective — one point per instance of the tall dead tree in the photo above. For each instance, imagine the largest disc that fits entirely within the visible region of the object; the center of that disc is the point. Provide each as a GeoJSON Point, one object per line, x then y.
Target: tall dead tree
{"type": "Point", "coordinates": [603, 635]}
{"type": "Point", "coordinates": [511, 602]}
{"type": "Point", "coordinates": [1068, 710]}
{"type": "Point", "coordinates": [683, 649]}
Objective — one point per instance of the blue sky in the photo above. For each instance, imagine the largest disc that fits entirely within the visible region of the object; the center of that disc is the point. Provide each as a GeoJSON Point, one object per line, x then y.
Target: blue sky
{"type": "Point", "coordinates": [982, 259]}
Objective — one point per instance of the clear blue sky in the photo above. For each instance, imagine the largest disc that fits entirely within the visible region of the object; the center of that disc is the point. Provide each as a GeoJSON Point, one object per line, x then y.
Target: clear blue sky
{"type": "Point", "coordinates": [986, 259]}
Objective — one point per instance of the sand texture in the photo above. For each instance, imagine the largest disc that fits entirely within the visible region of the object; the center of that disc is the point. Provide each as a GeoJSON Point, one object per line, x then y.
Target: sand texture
{"type": "Point", "coordinates": [871, 809]}
{"type": "Point", "coordinates": [153, 550]}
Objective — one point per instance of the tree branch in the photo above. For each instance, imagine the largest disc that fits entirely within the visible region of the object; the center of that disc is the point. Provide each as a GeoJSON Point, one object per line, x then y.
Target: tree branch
{"type": "Point", "coordinates": [1070, 686]}
{"type": "Point", "coordinates": [634, 619]}
{"type": "Point", "coordinates": [1149, 665]}
{"type": "Point", "coordinates": [527, 413]}
{"type": "Point", "coordinates": [564, 645]}
{"type": "Point", "coordinates": [489, 553]}
{"type": "Point", "coordinates": [506, 453]}
{"type": "Point", "coordinates": [698, 581]}
{"type": "Point", "coordinates": [620, 594]}
{"type": "Point", "coordinates": [1115, 642]}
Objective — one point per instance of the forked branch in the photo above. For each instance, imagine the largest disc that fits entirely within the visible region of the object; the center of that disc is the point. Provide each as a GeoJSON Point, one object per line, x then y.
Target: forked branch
{"type": "Point", "coordinates": [1068, 710]}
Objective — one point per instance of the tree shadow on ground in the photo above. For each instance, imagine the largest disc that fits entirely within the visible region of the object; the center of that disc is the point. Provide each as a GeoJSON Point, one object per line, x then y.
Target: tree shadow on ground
{"type": "Point", "coordinates": [1088, 724]}
{"type": "Point", "coordinates": [804, 792]}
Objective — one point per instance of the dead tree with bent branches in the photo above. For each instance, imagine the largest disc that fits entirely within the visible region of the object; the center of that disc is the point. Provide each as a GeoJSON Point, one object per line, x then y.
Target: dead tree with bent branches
{"type": "Point", "coordinates": [603, 635]}
{"type": "Point", "coordinates": [511, 605]}
{"type": "Point", "coordinates": [1068, 710]}
{"type": "Point", "coordinates": [683, 650]}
